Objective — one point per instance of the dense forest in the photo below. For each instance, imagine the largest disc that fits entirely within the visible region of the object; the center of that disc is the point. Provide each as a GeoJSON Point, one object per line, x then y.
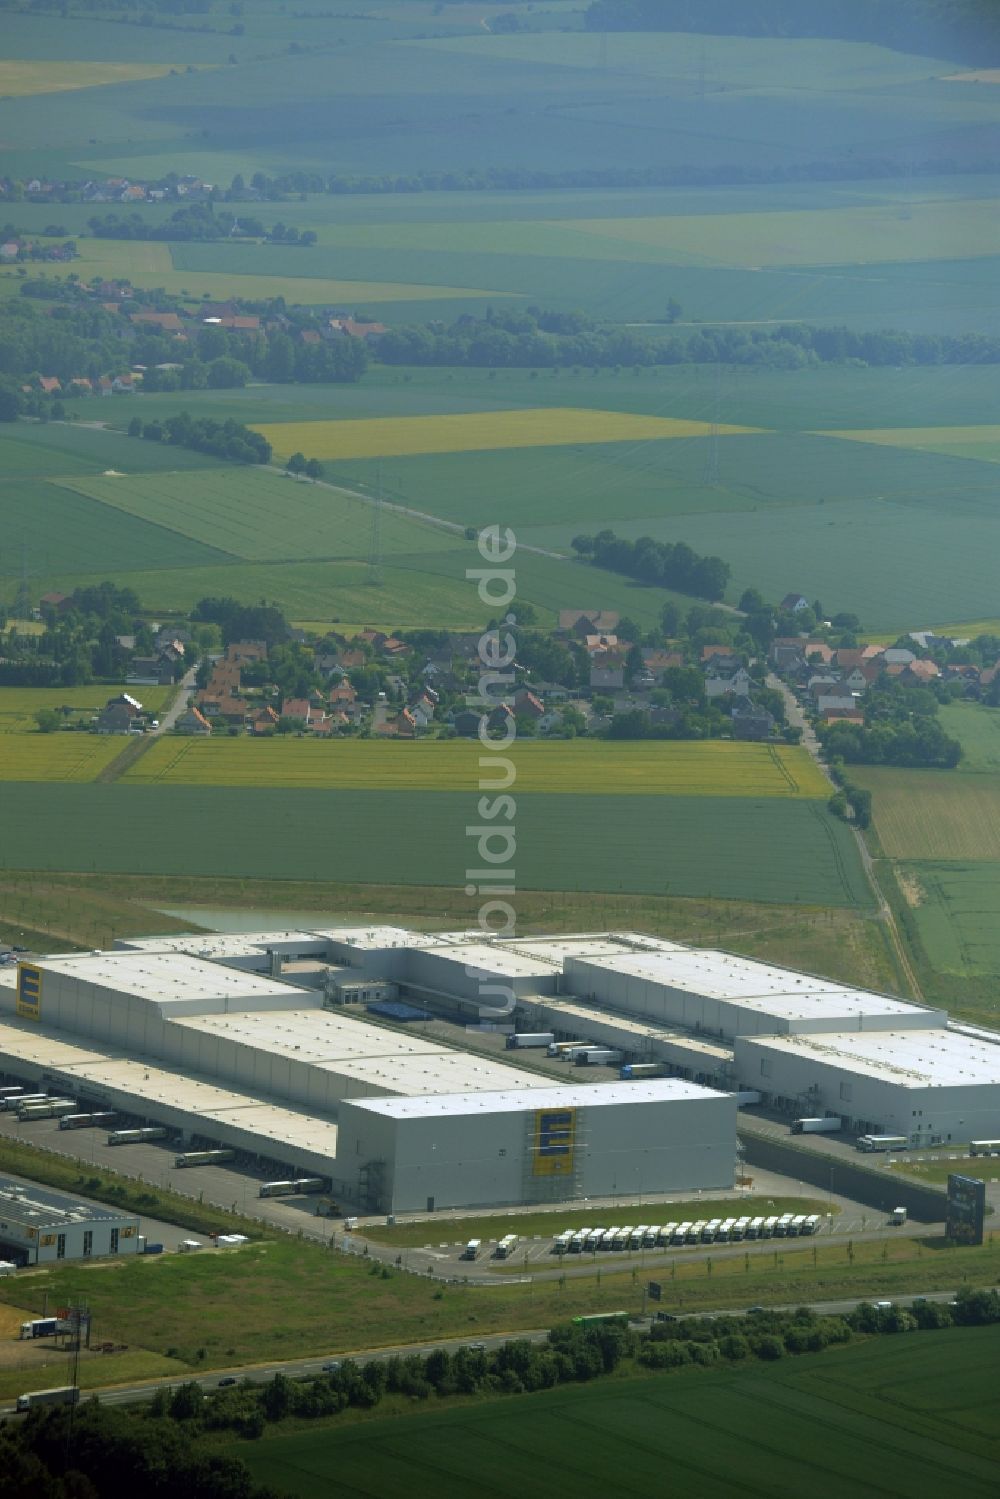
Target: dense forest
{"type": "Point", "coordinates": [942, 28]}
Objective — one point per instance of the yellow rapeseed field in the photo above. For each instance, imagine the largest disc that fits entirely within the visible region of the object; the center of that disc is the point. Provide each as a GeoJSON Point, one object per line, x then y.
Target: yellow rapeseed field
{"type": "Point", "coordinates": [56, 757]}
{"type": "Point", "coordinates": [537, 427]}
{"type": "Point", "coordinates": [20, 78]}
{"type": "Point", "coordinates": [919, 437]}
{"type": "Point", "coordinates": [592, 767]}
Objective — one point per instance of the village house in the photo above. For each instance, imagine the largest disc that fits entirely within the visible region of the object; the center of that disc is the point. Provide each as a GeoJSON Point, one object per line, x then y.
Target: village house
{"type": "Point", "coordinates": [148, 671]}
{"type": "Point", "coordinates": [241, 652]}
{"type": "Point", "coordinates": [606, 677]}
{"type": "Point", "coordinates": [793, 603]}
{"type": "Point", "coordinates": [263, 721]}
{"type": "Point", "coordinates": [167, 322]}
{"type": "Point", "coordinates": [527, 705]}
{"type": "Point", "coordinates": [736, 682]}
{"type": "Point", "coordinates": [751, 721]}
{"type": "Point", "coordinates": [191, 721]}
{"type": "Point", "coordinates": [581, 622]}
{"type": "Point", "coordinates": [116, 718]}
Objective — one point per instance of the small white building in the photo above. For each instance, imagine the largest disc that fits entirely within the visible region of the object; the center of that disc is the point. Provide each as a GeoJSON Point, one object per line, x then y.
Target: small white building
{"type": "Point", "coordinates": [39, 1227]}
{"type": "Point", "coordinates": [535, 1145]}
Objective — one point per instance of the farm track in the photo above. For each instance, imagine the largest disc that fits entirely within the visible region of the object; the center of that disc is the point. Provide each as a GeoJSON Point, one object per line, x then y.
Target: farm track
{"type": "Point", "coordinates": [421, 516]}
{"type": "Point", "coordinates": [885, 912]}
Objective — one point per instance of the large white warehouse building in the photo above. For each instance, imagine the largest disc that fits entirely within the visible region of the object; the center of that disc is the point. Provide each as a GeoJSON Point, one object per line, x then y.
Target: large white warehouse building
{"type": "Point", "coordinates": [537, 1144]}
{"type": "Point", "coordinates": [262, 1042]}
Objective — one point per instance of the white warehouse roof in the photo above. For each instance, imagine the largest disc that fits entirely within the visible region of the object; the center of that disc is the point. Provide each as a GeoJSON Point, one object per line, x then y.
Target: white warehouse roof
{"type": "Point", "coordinates": [167, 977]}
{"type": "Point", "coordinates": [171, 1094]}
{"type": "Point", "coordinates": [740, 981]}
{"type": "Point", "coordinates": [367, 1054]}
{"type": "Point", "coordinates": [909, 1059]}
{"type": "Point", "coordinates": [656, 1090]}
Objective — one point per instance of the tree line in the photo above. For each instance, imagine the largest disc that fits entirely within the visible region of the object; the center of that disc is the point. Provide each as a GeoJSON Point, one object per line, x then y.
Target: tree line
{"type": "Point", "coordinates": [228, 439]}
{"type": "Point", "coordinates": [668, 564]}
{"type": "Point", "coordinates": [538, 339]}
{"type": "Point", "coordinates": [162, 1448]}
{"type": "Point", "coordinates": [195, 222]}
{"type": "Point", "coordinates": [901, 728]}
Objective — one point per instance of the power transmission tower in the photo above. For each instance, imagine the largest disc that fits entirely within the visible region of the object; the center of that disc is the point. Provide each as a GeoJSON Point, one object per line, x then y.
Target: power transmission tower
{"type": "Point", "coordinates": [711, 475]}
{"type": "Point", "coordinates": [702, 72]}
{"type": "Point", "coordinates": [375, 536]}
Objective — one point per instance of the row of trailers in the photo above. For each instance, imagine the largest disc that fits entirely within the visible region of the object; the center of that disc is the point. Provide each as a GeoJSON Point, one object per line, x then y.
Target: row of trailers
{"type": "Point", "coordinates": [28, 1106]}
{"type": "Point", "coordinates": [670, 1235]}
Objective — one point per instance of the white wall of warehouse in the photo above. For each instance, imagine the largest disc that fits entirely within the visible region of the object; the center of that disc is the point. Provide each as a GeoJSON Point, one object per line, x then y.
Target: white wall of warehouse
{"type": "Point", "coordinates": [924, 1114]}
{"type": "Point", "coordinates": [481, 1159]}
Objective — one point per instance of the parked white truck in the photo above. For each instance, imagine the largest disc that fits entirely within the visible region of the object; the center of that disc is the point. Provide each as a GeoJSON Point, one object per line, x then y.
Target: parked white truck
{"type": "Point", "coordinates": [828, 1126]}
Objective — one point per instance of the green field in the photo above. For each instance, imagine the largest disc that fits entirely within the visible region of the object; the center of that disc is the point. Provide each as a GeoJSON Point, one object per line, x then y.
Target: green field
{"type": "Point", "coordinates": [773, 848]}
{"type": "Point", "coordinates": [940, 833]}
{"type": "Point", "coordinates": [978, 731]}
{"type": "Point", "coordinates": [954, 912]}
{"type": "Point", "coordinates": [565, 768]}
{"type": "Point", "coordinates": [928, 814]}
{"type": "Point", "coordinates": [257, 515]}
{"type": "Point", "coordinates": [889, 1417]}
{"type": "Point", "coordinates": [851, 522]}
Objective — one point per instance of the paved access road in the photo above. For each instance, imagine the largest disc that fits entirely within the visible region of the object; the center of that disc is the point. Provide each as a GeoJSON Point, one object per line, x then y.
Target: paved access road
{"type": "Point", "coordinates": [304, 1368]}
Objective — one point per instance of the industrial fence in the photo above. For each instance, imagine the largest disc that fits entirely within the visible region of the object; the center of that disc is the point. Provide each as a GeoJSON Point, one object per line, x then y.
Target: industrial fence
{"type": "Point", "coordinates": [882, 1190]}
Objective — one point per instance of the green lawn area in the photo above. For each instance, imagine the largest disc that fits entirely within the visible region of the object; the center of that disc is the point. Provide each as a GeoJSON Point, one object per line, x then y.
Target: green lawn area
{"type": "Point", "coordinates": [443, 1230]}
{"type": "Point", "coordinates": [286, 1298]}
{"type": "Point", "coordinates": [899, 1417]}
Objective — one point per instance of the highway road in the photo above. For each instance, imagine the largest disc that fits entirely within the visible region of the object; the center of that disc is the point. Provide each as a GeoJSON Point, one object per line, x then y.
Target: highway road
{"type": "Point", "coordinates": [307, 1367]}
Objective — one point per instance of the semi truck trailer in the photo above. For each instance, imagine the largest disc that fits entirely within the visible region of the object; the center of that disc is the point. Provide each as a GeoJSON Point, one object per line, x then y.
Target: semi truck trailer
{"type": "Point", "coordinates": [65, 1395]}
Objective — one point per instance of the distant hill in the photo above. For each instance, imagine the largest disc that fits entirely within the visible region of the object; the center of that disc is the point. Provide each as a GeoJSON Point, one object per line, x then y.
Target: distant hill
{"type": "Point", "coordinates": [963, 29]}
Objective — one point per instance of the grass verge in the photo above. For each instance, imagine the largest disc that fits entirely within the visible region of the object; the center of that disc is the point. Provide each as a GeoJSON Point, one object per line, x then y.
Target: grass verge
{"type": "Point", "coordinates": [293, 1299]}
{"type": "Point", "coordinates": [90, 910]}
{"type": "Point", "coordinates": [439, 1230]}
{"type": "Point", "coordinates": [52, 1170]}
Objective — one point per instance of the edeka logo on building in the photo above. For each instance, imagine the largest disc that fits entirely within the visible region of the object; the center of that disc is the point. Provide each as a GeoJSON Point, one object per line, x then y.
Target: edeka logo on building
{"type": "Point", "coordinates": [29, 991]}
{"type": "Point", "coordinates": [555, 1131]}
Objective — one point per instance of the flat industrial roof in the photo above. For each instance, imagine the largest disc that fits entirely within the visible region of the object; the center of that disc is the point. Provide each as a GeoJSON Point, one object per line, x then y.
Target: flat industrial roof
{"type": "Point", "coordinates": [336, 1042]}
{"type": "Point", "coordinates": [162, 1089]}
{"type": "Point", "coordinates": [167, 976]}
{"type": "Point", "coordinates": [27, 1203]}
{"type": "Point", "coordinates": [445, 1071]}
{"type": "Point", "coordinates": [555, 950]}
{"type": "Point", "coordinates": [488, 958]}
{"type": "Point", "coordinates": [910, 1058]}
{"type": "Point", "coordinates": [643, 1030]}
{"type": "Point", "coordinates": [741, 981]}
{"type": "Point", "coordinates": [216, 944]}
{"type": "Point", "coordinates": [310, 1035]}
{"type": "Point", "coordinates": [598, 1095]}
